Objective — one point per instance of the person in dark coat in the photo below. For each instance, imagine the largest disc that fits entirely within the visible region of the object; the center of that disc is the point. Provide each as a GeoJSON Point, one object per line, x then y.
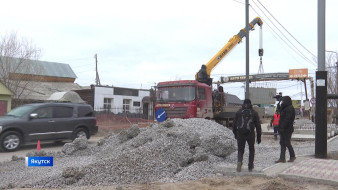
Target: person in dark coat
{"type": "Point", "coordinates": [248, 137]}
{"type": "Point", "coordinates": [202, 75]}
{"type": "Point", "coordinates": [285, 128]}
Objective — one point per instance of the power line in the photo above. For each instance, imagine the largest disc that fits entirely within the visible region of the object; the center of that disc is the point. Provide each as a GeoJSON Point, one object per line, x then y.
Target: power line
{"type": "Point", "coordinates": [294, 47]}
{"type": "Point", "coordinates": [84, 71]}
{"type": "Point", "coordinates": [83, 65]}
{"type": "Point", "coordinates": [274, 33]}
{"type": "Point", "coordinates": [239, 2]}
{"type": "Point", "coordinates": [286, 30]}
{"type": "Point", "coordinates": [71, 59]}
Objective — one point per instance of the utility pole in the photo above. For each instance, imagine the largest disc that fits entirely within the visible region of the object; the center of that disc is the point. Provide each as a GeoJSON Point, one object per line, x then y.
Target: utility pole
{"type": "Point", "coordinates": [247, 94]}
{"type": "Point", "coordinates": [97, 79]}
{"type": "Point", "coordinates": [321, 88]}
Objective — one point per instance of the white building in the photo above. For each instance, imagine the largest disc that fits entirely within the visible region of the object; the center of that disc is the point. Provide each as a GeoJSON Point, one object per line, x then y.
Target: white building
{"type": "Point", "coordinates": [122, 100]}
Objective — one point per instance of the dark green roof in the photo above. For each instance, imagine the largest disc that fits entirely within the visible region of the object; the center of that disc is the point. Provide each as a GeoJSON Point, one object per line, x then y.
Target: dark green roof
{"type": "Point", "coordinates": [42, 68]}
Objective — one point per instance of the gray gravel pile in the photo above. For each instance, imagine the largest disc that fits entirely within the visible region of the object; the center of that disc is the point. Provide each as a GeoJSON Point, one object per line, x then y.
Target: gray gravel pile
{"type": "Point", "coordinates": [78, 144]}
{"type": "Point", "coordinates": [174, 150]}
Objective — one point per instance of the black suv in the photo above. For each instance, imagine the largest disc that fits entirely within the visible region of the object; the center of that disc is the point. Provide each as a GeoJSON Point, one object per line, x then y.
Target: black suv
{"type": "Point", "coordinates": [46, 122]}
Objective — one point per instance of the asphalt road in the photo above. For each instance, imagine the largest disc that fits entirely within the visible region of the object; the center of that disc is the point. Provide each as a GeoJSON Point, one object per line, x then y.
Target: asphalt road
{"type": "Point", "coordinates": [46, 146]}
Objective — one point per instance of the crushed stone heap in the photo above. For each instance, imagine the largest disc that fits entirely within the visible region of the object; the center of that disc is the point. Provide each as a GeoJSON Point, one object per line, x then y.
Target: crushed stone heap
{"type": "Point", "coordinates": [175, 150]}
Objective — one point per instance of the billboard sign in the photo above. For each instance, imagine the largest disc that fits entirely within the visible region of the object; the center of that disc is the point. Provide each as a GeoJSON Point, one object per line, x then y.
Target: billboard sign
{"type": "Point", "coordinates": [298, 73]}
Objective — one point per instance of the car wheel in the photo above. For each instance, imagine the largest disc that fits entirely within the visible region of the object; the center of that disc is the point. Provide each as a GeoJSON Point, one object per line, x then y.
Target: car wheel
{"type": "Point", "coordinates": [80, 132]}
{"type": "Point", "coordinates": [10, 141]}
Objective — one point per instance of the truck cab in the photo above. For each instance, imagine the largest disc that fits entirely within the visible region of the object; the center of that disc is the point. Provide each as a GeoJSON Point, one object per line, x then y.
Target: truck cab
{"type": "Point", "coordinates": [185, 99]}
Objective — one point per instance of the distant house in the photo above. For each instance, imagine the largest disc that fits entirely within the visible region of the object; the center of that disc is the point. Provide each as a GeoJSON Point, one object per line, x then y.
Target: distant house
{"type": "Point", "coordinates": [118, 100]}
{"type": "Point", "coordinates": [40, 79]}
{"type": "Point", "coordinates": [5, 99]}
{"type": "Point", "coordinates": [42, 71]}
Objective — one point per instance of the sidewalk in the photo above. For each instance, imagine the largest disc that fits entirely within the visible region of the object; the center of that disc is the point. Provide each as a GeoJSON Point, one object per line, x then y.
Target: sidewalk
{"type": "Point", "coordinates": [321, 170]}
{"type": "Point", "coordinates": [313, 169]}
{"type": "Point", "coordinates": [304, 167]}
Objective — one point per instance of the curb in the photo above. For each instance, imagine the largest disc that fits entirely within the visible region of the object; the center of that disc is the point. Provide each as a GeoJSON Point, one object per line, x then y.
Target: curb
{"type": "Point", "coordinates": [281, 170]}
{"type": "Point", "coordinates": [295, 177]}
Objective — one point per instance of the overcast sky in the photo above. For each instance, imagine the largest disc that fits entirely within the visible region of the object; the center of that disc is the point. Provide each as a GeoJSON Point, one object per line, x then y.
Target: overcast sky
{"type": "Point", "coordinates": [142, 42]}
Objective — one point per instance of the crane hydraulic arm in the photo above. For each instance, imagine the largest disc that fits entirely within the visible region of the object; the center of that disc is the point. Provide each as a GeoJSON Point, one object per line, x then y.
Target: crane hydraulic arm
{"type": "Point", "coordinates": [230, 45]}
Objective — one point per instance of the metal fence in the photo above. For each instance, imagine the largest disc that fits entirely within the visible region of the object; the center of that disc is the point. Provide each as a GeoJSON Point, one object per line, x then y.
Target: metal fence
{"type": "Point", "coordinates": [118, 116]}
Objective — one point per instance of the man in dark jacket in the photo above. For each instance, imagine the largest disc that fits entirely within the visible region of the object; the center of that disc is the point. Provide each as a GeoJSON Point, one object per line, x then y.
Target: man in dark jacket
{"type": "Point", "coordinates": [243, 137]}
{"type": "Point", "coordinates": [202, 75]}
{"type": "Point", "coordinates": [285, 128]}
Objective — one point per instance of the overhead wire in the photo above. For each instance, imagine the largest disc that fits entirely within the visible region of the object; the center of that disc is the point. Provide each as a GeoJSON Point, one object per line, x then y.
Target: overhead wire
{"type": "Point", "coordinates": [274, 33]}
{"type": "Point", "coordinates": [294, 47]}
{"type": "Point", "coordinates": [286, 30]}
{"type": "Point", "coordinates": [239, 2]}
{"type": "Point", "coordinates": [71, 59]}
{"type": "Point", "coordinates": [83, 65]}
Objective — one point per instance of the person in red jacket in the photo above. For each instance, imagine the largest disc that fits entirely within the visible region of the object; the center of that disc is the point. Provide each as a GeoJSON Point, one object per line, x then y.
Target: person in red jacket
{"type": "Point", "coordinates": [275, 123]}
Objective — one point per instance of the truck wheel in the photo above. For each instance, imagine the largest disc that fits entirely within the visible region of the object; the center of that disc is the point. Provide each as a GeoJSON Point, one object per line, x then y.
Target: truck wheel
{"type": "Point", "coordinates": [10, 141]}
{"type": "Point", "coordinates": [80, 132]}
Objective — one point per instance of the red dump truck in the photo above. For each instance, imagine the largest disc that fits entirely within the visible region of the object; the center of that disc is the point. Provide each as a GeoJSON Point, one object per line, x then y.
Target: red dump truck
{"type": "Point", "coordinates": [196, 98]}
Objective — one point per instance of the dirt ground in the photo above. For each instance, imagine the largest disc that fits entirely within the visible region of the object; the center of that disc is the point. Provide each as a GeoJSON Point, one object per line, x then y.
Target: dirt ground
{"type": "Point", "coordinates": [233, 183]}
{"type": "Point", "coordinates": [227, 182]}
{"type": "Point", "coordinates": [221, 183]}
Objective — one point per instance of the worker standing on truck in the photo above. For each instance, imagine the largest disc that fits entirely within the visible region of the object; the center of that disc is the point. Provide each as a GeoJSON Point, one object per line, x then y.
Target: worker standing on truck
{"type": "Point", "coordinates": [245, 122]}
{"type": "Point", "coordinates": [202, 75]}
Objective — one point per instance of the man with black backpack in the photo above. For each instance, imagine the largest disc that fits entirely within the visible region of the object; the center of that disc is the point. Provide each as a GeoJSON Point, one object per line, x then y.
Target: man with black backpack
{"type": "Point", "coordinates": [245, 122]}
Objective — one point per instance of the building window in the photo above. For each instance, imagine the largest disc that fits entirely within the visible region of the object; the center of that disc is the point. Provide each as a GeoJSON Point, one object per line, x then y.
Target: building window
{"type": "Point", "coordinates": [126, 105]}
{"type": "Point", "coordinates": [136, 104]}
{"type": "Point", "coordinates": [107, 104]}
{"type": "Point", "coordinates": [125, 92]}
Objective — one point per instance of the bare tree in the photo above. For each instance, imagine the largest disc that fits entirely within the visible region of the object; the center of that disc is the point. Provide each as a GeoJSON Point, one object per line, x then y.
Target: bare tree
{"type": "Point", "coordinates": [331, 67]}
{"type": "Point", "coordinates": [17, 68]}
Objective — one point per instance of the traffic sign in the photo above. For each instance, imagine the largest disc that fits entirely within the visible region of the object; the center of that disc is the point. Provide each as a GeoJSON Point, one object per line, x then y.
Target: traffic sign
{"type": "Point", "coordinates": [313, 100]}
{"type": "Point", "coordinates": [160, 115]}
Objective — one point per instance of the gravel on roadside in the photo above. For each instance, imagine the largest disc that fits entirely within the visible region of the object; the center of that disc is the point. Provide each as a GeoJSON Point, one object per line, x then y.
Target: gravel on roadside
{"type": "Point", "coordinates": [175, 150]}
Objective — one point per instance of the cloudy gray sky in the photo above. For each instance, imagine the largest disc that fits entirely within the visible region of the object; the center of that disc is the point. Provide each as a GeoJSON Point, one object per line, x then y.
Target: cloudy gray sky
{"type": "Point", "coordinates": [142, 42]}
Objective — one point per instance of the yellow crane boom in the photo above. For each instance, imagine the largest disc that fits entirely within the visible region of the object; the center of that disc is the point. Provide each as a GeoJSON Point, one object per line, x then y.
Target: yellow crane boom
{"type": "Point", "coordinates": [230, 45]}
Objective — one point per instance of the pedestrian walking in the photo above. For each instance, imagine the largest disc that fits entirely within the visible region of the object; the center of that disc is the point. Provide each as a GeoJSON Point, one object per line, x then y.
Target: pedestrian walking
{"type": "Point", "coordinates": [274, 123]}
{"type": "Point", "coordinates": [245, 122]}
{"type": "Point", "coordinates": [285, 128]}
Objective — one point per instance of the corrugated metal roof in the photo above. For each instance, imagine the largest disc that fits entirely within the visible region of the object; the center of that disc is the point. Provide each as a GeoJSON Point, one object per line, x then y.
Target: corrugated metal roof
{"type": "Point", "coordinates": [45, 68]}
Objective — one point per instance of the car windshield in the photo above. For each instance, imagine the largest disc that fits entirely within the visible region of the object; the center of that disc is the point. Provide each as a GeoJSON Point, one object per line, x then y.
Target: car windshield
{"type": "Point", "coordinates": [20, 111]}
{"type": "Point", "coordinates": [176, 94]}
